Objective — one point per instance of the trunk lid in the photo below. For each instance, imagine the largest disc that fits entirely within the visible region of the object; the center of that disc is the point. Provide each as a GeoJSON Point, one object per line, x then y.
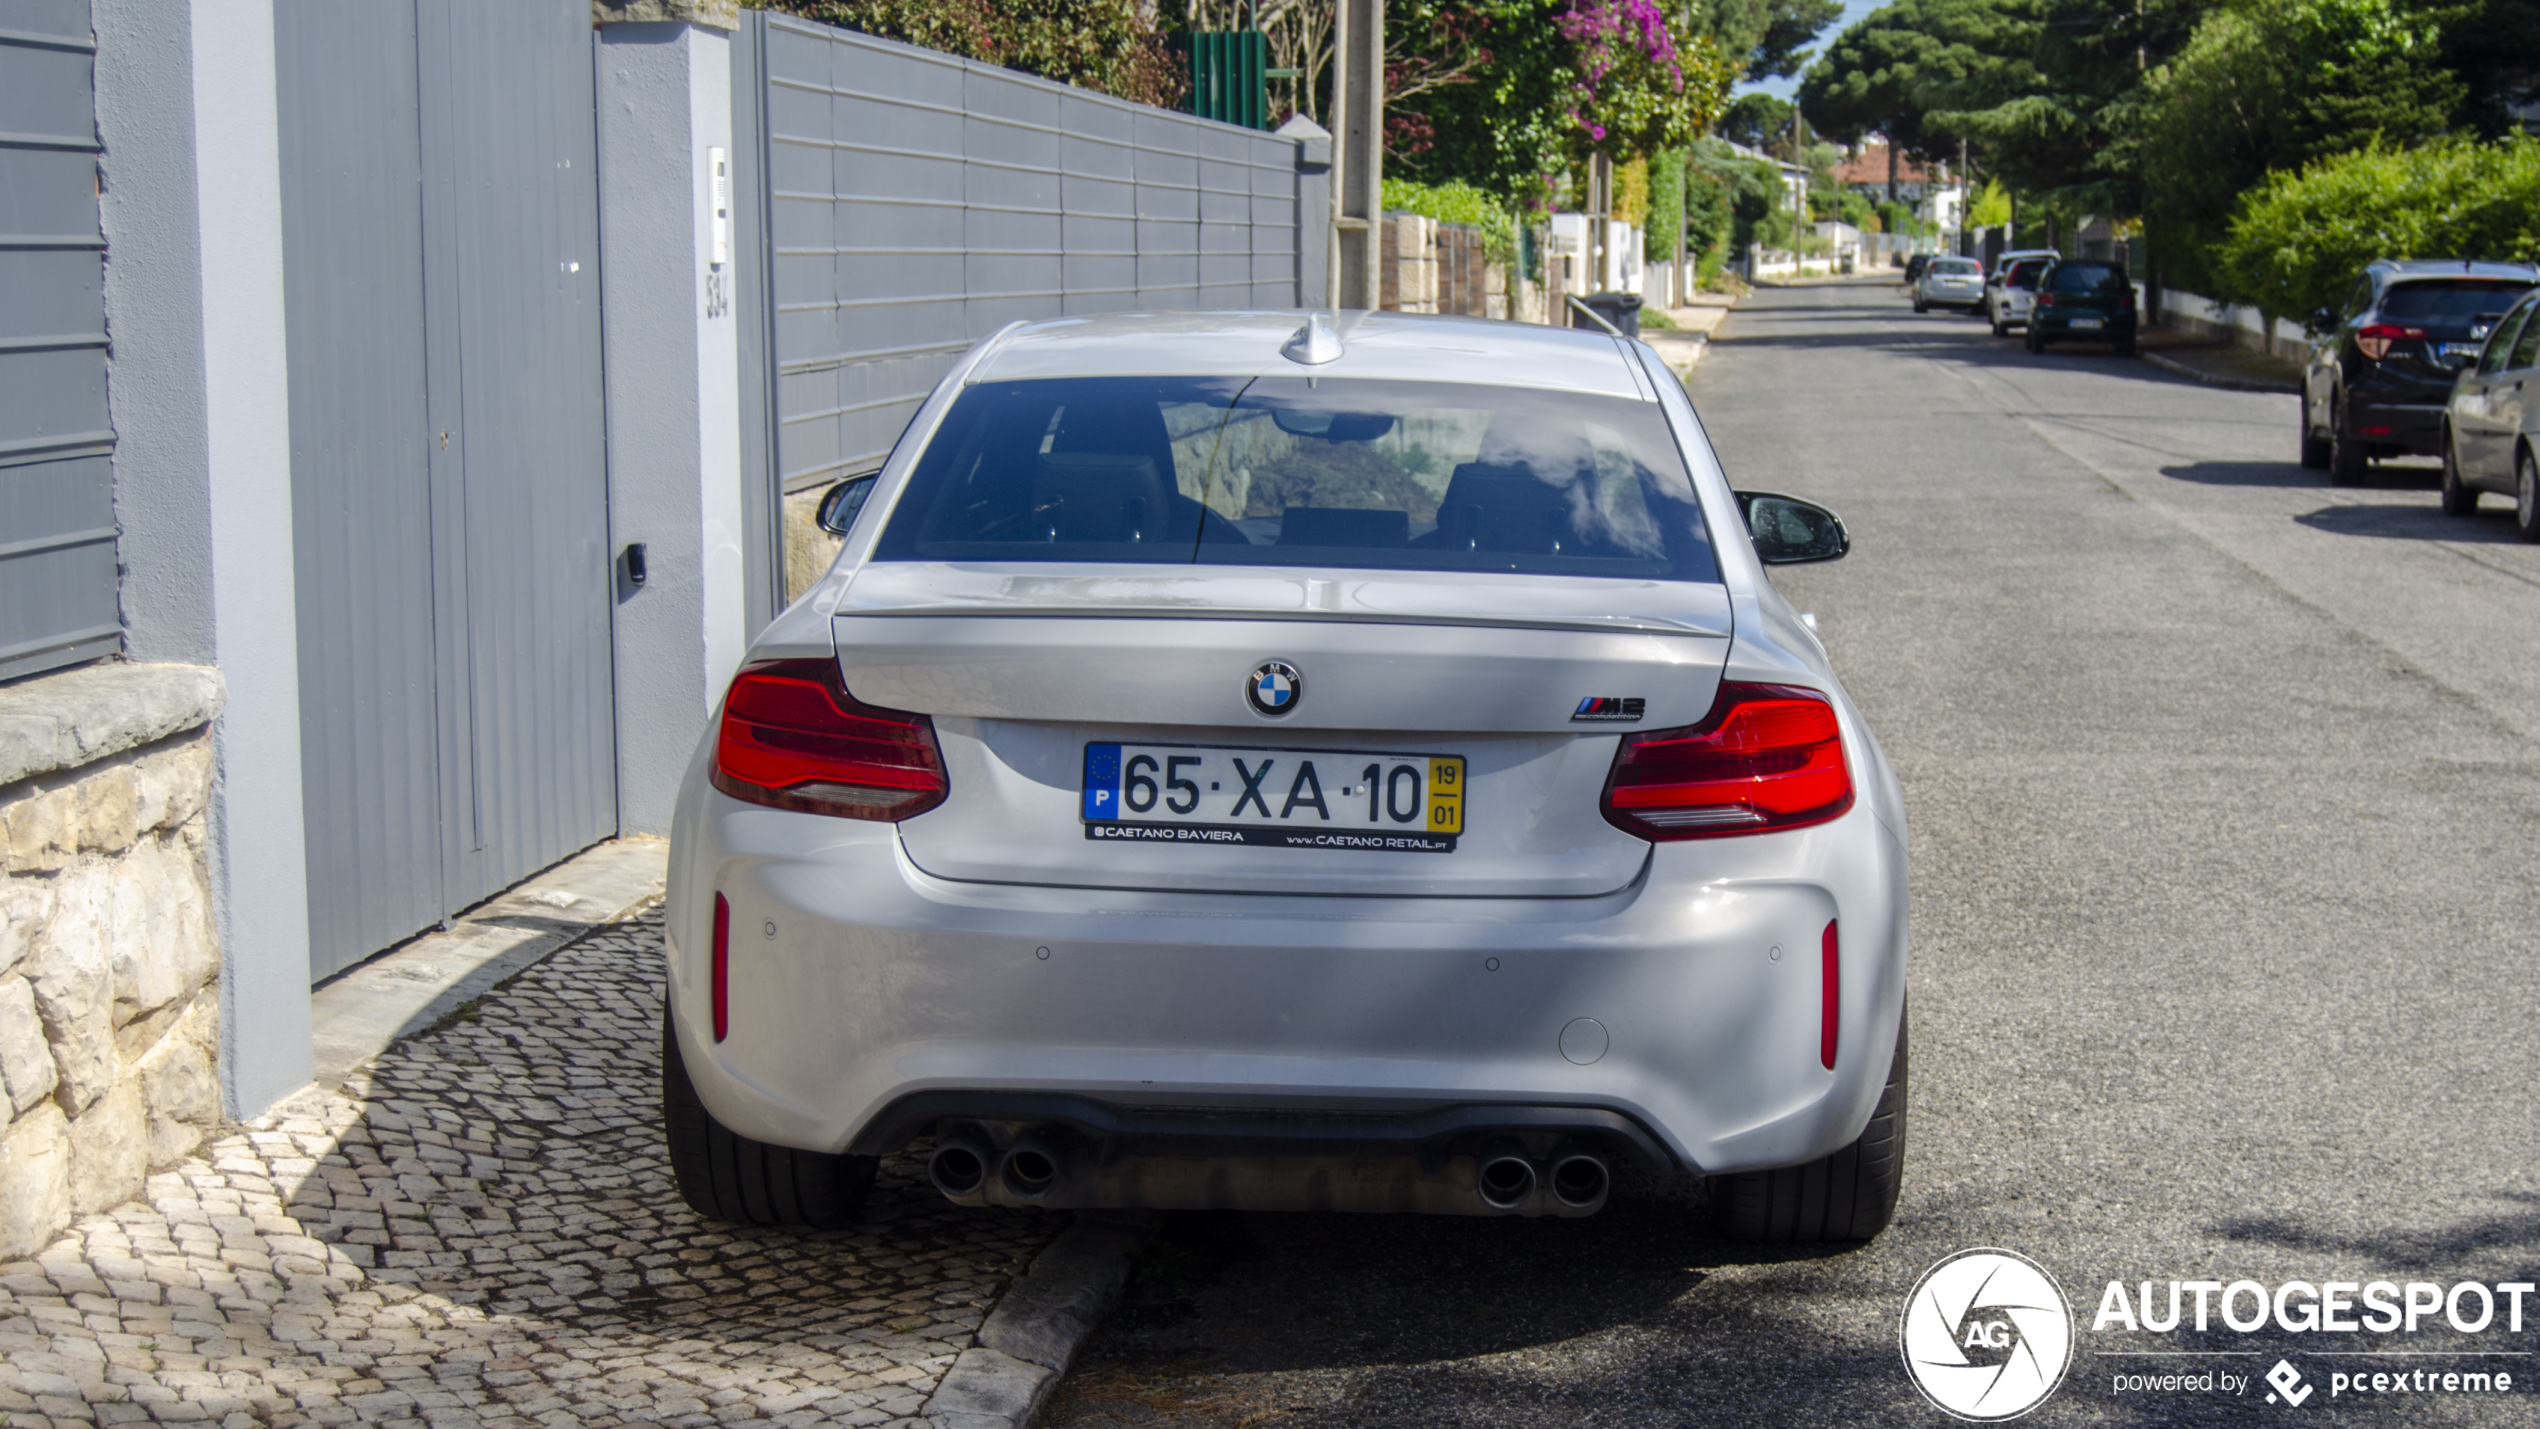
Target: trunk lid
{"type": "Point", "coordinates": [1023, 668]}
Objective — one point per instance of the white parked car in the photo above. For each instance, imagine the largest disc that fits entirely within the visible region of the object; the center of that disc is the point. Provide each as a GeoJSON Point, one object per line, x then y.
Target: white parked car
{"type": "Point", "coordinates": [1248, 761]}
{"type": "Point", "coordinates": [2011, 288]}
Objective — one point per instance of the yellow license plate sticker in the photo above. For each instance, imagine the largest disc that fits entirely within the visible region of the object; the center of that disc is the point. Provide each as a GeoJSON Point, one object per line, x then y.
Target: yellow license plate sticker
{"type": "Point", "coordinates": [1446, 795]}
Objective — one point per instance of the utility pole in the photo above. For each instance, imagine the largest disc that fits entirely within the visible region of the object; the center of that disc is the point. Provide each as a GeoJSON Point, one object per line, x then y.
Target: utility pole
{"type": "Point", "coordinates": [1358, 153]}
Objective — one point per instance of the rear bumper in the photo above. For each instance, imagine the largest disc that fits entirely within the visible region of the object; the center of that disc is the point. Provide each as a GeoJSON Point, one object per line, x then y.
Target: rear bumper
{"type": "Point", "coordinates": [870, 1001]}
{"type": "Point", "coordinates": [2398, 417]}
{"type": "Point", "coordinates": [2113, 327]}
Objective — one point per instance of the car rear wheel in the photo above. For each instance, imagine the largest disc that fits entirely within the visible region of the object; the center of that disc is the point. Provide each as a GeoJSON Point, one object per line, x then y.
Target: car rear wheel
{"type": "Point", "coordinates": [731, 1178]}
{"type": "Point", "coordinates": [2346, 462]}
{"type": "Point", "coordinates": [1921, 307]}
{"type": "Point", "coordinates": [2459, 497]}
{"type": "Point", "coordinates": [1848, 1196]}
{"type": "Point", "coordinates": [2314, 443]}
{"type": "Point", "coordinates": [2036, 340]}
{"type": "Point", "coordinates": [1994, 315]}
{"type": "Point", "coordinates": [2526, 495]}
{"type": "Point", "coordinates": [2125, 347]}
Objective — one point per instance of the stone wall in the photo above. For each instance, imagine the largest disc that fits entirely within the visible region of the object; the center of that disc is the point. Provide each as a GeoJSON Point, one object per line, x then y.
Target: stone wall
{"type": "Point", "coordinates": [109, 970]}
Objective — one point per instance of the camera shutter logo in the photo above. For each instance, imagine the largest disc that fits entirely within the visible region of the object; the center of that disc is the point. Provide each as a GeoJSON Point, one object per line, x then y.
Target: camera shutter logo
{"type": "Point", "coordinates": [1986, 1335]}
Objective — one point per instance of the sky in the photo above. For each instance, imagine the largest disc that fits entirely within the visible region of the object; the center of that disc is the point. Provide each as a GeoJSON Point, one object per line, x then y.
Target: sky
{"type": "Point", "coordinates": [1786, 88]}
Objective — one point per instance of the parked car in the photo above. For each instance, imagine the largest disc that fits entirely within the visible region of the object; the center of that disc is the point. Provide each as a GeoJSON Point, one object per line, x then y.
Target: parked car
{"type": "Point", "coordinates": [1950, 283]}
{"type": "Point", "coordinates": [2491, 427]}
{"type": "Point", "coordinates": [2082, 298]}
{"type": "Point", "coordinates": [1234, 763]}
{"type": "Point", "coordinates": [2008, 291]}
{"type": "Point", "coordinates": [2379, 371]}
{"type": "Point", "coordinates": [1915, 263]}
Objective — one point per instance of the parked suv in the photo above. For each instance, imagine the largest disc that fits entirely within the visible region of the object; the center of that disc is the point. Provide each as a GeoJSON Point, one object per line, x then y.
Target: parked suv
{"type": "Point", "coordinates": [2008, 290]}
{"type": "Point", "coordinates": [2082, 299]}
{"type": "Point", "coordinates": [2380, 368]}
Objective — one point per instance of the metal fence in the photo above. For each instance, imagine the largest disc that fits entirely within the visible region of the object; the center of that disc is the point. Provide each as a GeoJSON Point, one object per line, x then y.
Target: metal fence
{"type": "Point", "coordinates": [907, 203]}
{"type": "Point", "coordinates": [57, 518]}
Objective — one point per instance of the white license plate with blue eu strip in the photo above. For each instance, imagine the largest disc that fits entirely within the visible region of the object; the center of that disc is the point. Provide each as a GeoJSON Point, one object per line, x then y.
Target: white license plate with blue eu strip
{"type": "Point", "coordinates": [1282, 798]}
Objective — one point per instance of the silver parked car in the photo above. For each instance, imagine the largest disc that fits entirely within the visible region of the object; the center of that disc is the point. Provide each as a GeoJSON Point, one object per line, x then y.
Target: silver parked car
{"type": "Point", "coordinates": [2491, 426]}
{"type": "Point", "coordinates": [1950, 283]}
{"type": "Point", "coordinates": [2011, 288]}
{"type": "Point", "coordinates": [1351, 762]}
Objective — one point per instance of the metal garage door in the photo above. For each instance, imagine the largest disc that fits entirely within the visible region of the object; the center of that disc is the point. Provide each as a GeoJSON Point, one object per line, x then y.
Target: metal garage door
{"type": "Point", "coordinates": [440, 227]}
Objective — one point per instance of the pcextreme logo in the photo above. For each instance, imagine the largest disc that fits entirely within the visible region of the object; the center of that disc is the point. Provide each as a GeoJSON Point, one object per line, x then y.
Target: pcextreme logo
{"type": "Point", "coordinates": [1986, 1334]}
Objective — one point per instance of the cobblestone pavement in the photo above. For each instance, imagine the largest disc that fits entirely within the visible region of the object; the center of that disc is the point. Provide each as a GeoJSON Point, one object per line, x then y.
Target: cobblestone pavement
{"type": "Point", "coordinates": [481, 1229]}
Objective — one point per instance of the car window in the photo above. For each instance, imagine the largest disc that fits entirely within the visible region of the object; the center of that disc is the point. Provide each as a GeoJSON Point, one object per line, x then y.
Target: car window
{"type": "Point", "coordinates": [2448, 299]}
{"type": "Point", "coordinates": [2500, 343]}
{"type": "Point", "coordinates": [2358, 297]}
{"type": "Point", "coordinates": [1960, 267]}
{"type": "Point", "coordinates": [2526, 347]}
{"type": "Point", "coordinates": [2086, 278]}
{"type": "Point", "coordinates": [1304, 471]}
{"type": "Point", "coordinates": [2022, 275]}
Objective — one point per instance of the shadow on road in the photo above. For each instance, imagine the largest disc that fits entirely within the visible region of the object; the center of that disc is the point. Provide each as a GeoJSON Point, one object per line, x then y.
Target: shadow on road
{"type": "Point", "coordinates": [2411, 523]}
{"type": "Point", "coordinates": [2434, 1248]}
{"type": "Point", "coordinates": [2245, 473]}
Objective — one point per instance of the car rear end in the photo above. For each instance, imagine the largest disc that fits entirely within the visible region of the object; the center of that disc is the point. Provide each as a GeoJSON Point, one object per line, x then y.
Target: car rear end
{"type": "Point", "coordinates": [2402, 357]}
{"type": "Point", "coordinates": [1292, 785]}
{"type": "Point", "coordinates": [1953, 283]}
{"type": "Point", "coordinates": [2082, 300]}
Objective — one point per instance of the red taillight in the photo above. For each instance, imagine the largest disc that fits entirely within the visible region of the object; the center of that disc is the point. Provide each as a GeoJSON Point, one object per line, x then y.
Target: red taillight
{"type": "Point", "coordinates": [721, 976]}
{"type": "Point", "coordinates": [1768, 757]}
{"type": "Point", "coordinates": [2375, 338]}
{"type": "Point", "coordinates": [1830, 1025]}
{"type": "Point", "coordinates": [793, 737]}
{"type": "Point", "coordinates": [2046, 300]}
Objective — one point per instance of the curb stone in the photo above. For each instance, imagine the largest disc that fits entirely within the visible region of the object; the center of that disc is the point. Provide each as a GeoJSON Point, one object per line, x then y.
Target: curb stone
{"type": "Point", "coordinates": [1027, 1342]}
{"type": "Point", "coordinates": [2236, 384]}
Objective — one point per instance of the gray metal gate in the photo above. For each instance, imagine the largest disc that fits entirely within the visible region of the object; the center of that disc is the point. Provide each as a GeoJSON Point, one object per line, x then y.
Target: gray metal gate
{"type": "Point", "coordinates": [57, 518]}
{"type": "Point", "coordinates": [908, 203]}
{"type": "Point", "coordinates": [440, 229]}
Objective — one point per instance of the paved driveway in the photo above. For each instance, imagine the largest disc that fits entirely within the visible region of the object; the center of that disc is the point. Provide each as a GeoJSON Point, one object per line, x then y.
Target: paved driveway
{"type": "Point", "coordinates": [2225, 799]}
{"type": "Point", "coordinates": [482, 1230]}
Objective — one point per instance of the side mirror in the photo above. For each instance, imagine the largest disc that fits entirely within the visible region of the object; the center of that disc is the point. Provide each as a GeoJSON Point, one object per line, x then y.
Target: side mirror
{"type": "Point", "coordinates": [1788, 531]}
{"type": "Point", "coordinates": [2322, 320]}
{"type": "Point", "coordinates": [840, 503]}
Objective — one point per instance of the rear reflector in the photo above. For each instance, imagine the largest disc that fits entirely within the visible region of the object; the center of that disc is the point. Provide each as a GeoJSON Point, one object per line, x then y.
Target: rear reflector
{"type": "Point", "coordinates": [792, 737]}
{"type": "Point", "coordinates": [721, 976]}
{"type": "Point", "coordinates": [1830, 1023]}
{"type": "Point", "coordinates": [1768, 757]}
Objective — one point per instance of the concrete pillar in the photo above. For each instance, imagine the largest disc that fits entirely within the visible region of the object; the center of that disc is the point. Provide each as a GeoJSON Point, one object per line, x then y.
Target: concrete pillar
{"type": "Point", "coordinates": [1313, 210]}
{"type": "Point", "coordinates": [671, 354]}
{"type": "Point", "coordinates": [1358, 160]}
{"type": "Point", "coordinates": [200, 393]}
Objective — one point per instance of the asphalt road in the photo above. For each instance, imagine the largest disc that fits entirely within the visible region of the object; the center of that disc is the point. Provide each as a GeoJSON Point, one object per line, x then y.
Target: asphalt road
{"type": "Point", "coordinates": [2225, 801]}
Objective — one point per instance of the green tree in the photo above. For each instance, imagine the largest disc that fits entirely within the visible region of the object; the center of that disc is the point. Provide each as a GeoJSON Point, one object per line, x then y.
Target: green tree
{"type": "Point", "coordinates": [1107, 45]}
{"type": "Point", "coordinates": [2297, 240]}
{"type": "Point", "coordinates": [1765, 37]}
{"type": "Point", "coordinates": [1757, 120]}
{"type": "Point", "coordinates": [1666, 205]}
{"type": "Point", "coordinates": [1906, 69]}
{"type": "Point", "coordinates": [2274, 85]}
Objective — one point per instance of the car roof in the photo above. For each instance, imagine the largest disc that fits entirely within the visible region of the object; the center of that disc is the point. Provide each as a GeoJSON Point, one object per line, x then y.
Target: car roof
{"type": "Point", "coordinates": [1400, 346]}
{"type": "Point", "coordinates": [2454, 268]}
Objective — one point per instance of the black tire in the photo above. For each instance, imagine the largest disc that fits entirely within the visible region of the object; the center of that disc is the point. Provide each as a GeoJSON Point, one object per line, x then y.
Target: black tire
{"type": "Point", "coordinates": [2526, 495]}
{"type": "Point", "coordinates": [732, 1178]}
{"type": "Point", "coordinates": [2347, 464]}
{"type": "Point", "coordinates": [2459, 497]}
{"type": "Point", "coordinates": [1995, 318]}
{"type": "Point", "coordinates": [1920, 306]}
{"type": "Point", "coordinates": [1848, 1196]}
{"type": "Point", "coordinates": [2125, 347]}
{"type": "Point", "coordinates": [2314, 443]}
{"type": "Point", "coordinates": [2036, 341]}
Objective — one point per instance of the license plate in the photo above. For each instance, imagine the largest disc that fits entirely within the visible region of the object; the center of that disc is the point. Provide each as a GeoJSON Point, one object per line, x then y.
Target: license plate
{"type": "Point", "coordinates": [1282, 798]}
{"type": "Point", "coordinates": [2085, 324]}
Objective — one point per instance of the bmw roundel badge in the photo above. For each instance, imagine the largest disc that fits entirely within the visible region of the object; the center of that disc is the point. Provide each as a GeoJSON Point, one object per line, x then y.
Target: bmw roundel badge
{"type": "Point", "coordinates": [1274, 688]}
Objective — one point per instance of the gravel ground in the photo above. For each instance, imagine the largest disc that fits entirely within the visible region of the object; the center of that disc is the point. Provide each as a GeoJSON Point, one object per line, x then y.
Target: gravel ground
{"type": "Point", "coordinates": [481, 1229]}
{"type": "Point", "coordinates": [2225, 796]}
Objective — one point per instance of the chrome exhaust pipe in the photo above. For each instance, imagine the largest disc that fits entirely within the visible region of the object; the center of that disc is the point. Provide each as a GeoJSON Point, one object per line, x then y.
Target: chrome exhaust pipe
{"type": "Point", "coordinates": [1504, 1178]}
{"type": "Point", "coordinates": [959, 1165]}
{"type": "Point", "coordinates": [1031, 1166]}
{"type": "Point", "coordinates": [1580, 1179]}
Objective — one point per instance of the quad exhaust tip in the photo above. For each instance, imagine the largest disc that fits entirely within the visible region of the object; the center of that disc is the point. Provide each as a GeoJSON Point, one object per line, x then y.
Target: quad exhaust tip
{"type": "Point", "coordinates": [1504, 1178]}
{"type": "Point", "coordinates": [959, 1166]}
{"type": "Point", "coordinates": [1031, 1167]}
{"type": "Point", "coordinates": [1580, 1179]}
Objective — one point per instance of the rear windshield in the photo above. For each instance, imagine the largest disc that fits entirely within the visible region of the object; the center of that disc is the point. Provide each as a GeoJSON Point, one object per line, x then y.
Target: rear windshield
{"type": "Point", "coordinates": [1302, 471]}
{"type": "Point", "coordinates": [1957, 266]}
{"type": "Point", "coordinates": [2023, 274]}
{"type": "Point", "coordinates": [2086, 278]}
{"type": "Point", "coordinates": [2460, 298]}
